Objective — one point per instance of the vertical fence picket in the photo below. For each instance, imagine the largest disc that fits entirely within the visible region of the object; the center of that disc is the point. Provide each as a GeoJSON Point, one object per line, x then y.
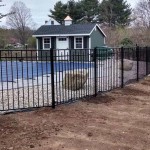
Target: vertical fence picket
{"type": "Point", "coordinates": [52, 77]}
{"type": "Point", "coordinates": [147, 61]}
{"type": "Point", "coordinates": [137, 57]}
{"type": "Point", "coordinates": [122, 67]}
{"type": "Point", "coordinates": [95, 71]}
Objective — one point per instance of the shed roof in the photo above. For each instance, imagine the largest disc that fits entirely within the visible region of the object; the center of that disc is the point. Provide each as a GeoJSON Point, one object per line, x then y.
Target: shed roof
{"type": "Point", "coordinates": [66, 30]}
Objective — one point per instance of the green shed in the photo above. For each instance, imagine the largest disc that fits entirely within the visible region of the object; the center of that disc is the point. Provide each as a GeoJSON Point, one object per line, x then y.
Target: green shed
{"type": "Point", "coordinates": [68, 38]}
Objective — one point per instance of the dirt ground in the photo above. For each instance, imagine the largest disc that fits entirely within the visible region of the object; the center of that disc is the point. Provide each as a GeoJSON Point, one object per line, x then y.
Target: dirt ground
{"type": "Point", "coordinates": [119, 120]}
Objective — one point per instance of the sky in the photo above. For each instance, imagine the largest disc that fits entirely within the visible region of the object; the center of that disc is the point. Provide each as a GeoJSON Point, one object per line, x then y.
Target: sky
{"type": "Point", "coordinates": [39, 9]}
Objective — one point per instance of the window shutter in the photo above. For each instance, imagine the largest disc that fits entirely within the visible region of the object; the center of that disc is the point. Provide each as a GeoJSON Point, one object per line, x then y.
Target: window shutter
{"type": "Point", "coordinates": [72, 42]}
{"type": "Point", "coordinates": [53, 42]}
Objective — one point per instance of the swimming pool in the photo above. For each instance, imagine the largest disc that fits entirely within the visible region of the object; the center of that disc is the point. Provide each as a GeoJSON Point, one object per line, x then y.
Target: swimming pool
{"type": "Point", "coordinates": [12, 70]}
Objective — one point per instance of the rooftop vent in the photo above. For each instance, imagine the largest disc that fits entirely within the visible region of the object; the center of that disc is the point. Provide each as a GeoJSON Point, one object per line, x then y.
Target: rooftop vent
{"type": "Point", "coordinates": [68, 21]}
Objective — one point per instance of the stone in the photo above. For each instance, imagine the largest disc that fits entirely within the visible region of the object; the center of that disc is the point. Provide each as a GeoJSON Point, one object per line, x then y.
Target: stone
{"type": "Point", "coordinates": [10, 148]}
{"type": "Point", "coordinates": [90, 134]}
{"type": "Point", "coordinates": [127, 65]}
{"type": "Point", "coordinates": [32, 146]}
{"type": "Point", "coordinates": [75, 79]}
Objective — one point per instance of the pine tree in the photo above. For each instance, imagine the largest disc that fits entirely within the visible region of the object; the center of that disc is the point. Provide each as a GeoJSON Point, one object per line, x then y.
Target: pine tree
{"type": "Point", "coordinates": [81, 11]}
{"type": "Point", "coordinates": [59, 12]}
{"type": "Point", "coordinates": [115, 12]}
{"type": "Point", "coordinates": [90, 9]}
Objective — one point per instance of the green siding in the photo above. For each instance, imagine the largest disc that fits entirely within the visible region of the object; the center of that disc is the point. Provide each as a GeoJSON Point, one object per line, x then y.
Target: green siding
{"type": "Point", "coordinates": [97, 38]}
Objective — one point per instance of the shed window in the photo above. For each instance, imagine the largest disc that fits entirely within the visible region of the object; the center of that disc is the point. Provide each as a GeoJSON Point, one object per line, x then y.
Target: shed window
{"type": "Point", "coordinates": [46, 43]}
{"type": "Point", "coordinates": [78, 42]}
{"type": "Point", "coordinates": [62, 39]}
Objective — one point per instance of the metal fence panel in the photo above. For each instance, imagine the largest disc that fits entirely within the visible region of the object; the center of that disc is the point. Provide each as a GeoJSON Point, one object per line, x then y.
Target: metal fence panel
{"type": "Point", "coordinates": [44, 78]}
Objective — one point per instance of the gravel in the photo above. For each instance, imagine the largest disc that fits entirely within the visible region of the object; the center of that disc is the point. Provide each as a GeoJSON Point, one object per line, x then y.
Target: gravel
{"type": "Point", "coordinates": [30, 93]}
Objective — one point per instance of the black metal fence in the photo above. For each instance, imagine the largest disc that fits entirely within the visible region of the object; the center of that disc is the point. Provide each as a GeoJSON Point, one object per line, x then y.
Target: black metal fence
{"type": "Point", "coordinates": [44, 78]}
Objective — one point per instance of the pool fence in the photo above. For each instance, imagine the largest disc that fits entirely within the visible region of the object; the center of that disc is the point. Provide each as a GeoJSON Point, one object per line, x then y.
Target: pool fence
{"type": "Point", "coordinates": [47, 78]}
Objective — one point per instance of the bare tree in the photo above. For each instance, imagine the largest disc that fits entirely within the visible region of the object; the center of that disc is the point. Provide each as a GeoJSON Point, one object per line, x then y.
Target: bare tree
{"type": "Point", "coordinates": [4, 15]}
{"type": "Point", "coordinates": [141, 17]}
{"type": "Point", "coordinates": [1, 15]}
{"type": "Point", "coordinates": [21, 21]}
{"type": "Point", "coordinates": [142, 14]}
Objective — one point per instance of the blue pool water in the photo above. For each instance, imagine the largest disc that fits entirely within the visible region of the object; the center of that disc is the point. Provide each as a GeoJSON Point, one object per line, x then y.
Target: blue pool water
{"type": "Point", "coordinates": [9, 71]}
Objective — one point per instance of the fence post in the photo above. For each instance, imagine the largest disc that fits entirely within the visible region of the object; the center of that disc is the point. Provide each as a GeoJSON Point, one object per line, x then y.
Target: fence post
{"type": "Point", "coordinates": [122, 67]}
{"type": "Point", "coordinates": [95, 71]}
{"type": "Point", "coordinates": [147, 60]}
{"type": "Point", "coordinates": [137, 56]}
{"type": "Point", "coordinates": [52, 77]}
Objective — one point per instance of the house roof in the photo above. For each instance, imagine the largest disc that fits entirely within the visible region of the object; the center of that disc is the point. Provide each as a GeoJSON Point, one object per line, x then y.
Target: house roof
{"type": "Point", "coordinates": [74, 29]}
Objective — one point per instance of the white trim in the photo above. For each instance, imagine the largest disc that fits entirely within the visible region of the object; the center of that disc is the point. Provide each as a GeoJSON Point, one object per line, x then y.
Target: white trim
{"type": "Point", "coordinates": [37, 44]}
{"type": "Point", "coordinates": [43, 42]}
{"type": "Point", "coordinates": [75, 42]}
{"type": "Point", "coordinates": [57, 35]}
{"type": "Point", "coordinates": [37, 48]}
{"type": "Point", "coordinates": [104, 40]}
{"type": "Point", "coordinates": [89, 48]}
{"type": "Point", "coordinates": [89, 42]}
{"type": "Point", "coordinates": [99, 29]}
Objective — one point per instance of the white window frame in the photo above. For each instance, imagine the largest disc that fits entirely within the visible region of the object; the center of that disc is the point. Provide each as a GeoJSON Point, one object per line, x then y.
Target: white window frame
{"type": "Point", "coordinates": [44, 43]}
{"type": "Point", "coordinates": [75, 42]}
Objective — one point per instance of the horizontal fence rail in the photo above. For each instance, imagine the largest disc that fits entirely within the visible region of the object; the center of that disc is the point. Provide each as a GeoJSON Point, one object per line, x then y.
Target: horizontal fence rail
{"type": "Point", "coordinates": [47, 78]}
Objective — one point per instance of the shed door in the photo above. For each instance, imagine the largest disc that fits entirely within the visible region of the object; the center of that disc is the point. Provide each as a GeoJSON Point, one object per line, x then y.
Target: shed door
{"type": "Point", "coordinates": [62, 46]}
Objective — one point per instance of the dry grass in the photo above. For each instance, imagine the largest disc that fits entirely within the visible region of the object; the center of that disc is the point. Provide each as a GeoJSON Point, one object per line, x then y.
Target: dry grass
{"type": "Point", "coordinates": [118, 120]}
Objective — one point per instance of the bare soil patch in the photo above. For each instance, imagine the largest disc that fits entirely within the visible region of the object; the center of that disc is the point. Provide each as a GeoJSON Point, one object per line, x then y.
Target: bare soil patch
{"type": "Point", "coordinates": [119, 120]}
